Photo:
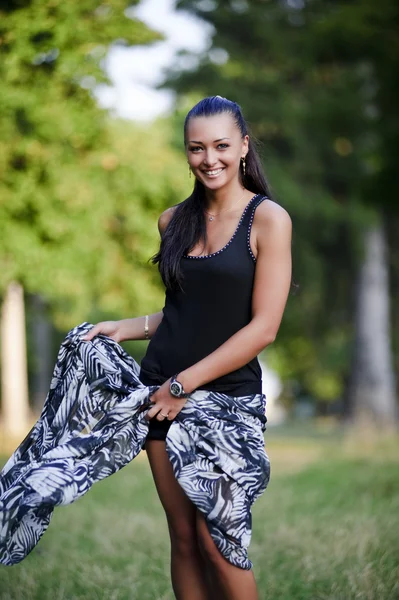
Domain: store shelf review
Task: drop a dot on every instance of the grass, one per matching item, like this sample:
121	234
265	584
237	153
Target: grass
326	528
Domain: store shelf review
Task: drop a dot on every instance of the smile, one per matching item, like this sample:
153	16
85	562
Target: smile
213	173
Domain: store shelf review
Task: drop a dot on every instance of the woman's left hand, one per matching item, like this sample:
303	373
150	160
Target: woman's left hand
165	406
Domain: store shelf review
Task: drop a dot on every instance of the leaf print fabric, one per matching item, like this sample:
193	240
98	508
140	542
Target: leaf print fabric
93	424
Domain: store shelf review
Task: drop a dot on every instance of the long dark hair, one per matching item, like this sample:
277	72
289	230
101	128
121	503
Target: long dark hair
187	225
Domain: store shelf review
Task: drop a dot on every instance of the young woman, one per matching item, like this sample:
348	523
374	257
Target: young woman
225	259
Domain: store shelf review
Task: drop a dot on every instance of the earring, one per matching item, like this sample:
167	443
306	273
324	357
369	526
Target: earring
243	165
189	172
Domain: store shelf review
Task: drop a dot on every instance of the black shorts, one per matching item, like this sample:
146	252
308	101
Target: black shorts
158	429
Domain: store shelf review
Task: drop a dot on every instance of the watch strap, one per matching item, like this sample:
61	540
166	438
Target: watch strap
183	394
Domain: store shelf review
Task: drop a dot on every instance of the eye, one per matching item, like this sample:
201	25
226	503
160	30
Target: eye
195	148
223	146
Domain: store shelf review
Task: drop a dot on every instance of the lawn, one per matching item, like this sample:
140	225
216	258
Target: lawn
326	528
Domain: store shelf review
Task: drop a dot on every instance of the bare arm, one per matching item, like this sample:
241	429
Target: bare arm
272	229
271	288
133	329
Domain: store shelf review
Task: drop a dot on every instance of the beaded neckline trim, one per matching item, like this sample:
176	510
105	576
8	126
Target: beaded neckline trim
231	239
255	206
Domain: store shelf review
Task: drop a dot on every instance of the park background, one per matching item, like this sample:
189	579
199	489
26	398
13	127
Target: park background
81	189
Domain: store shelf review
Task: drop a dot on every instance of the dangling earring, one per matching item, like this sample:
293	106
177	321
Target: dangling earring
189	171
243	165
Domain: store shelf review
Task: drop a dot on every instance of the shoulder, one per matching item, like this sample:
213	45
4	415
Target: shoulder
271	218
272	229
165	217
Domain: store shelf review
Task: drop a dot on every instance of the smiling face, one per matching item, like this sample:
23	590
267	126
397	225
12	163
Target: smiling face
214	147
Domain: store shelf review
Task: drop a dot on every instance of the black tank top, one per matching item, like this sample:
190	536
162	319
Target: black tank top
215	303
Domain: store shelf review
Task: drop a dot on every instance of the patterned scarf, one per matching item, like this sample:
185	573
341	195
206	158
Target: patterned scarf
93	424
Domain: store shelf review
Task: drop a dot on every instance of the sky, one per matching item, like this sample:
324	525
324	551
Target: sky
134	72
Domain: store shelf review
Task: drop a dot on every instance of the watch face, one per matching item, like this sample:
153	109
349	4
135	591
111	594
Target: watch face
175	388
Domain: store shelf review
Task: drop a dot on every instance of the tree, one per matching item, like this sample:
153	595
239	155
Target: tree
13	362
77	194
316	81
50	128
372	385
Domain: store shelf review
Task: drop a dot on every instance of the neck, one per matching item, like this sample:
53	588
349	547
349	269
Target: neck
217	200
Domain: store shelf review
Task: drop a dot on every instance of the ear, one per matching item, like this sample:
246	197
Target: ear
245	145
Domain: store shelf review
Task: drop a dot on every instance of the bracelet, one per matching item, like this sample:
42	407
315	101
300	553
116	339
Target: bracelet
147	337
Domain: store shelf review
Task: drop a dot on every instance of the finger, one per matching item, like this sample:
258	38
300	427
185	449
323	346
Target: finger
162	416
152	412
92	333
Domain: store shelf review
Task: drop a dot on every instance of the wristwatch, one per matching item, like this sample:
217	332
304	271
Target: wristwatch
176	388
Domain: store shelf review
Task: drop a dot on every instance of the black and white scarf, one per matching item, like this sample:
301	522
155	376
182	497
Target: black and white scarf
93	424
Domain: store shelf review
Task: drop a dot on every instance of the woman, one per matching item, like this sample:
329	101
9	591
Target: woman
225	259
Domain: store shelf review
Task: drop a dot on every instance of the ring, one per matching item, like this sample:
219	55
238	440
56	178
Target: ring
166	416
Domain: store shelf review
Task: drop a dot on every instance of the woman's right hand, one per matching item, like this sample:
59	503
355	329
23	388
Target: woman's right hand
110	328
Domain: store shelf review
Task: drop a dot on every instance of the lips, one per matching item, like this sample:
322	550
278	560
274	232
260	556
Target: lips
213	172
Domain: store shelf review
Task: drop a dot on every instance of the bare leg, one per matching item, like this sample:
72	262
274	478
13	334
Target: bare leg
233	582
187	564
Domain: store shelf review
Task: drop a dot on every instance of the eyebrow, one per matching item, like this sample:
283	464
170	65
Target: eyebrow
214	141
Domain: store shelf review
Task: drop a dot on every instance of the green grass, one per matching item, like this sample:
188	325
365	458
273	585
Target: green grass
326	528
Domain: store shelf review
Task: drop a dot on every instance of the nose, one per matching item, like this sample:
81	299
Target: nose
210	158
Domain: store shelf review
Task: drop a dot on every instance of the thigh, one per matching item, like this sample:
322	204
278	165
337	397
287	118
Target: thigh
180	511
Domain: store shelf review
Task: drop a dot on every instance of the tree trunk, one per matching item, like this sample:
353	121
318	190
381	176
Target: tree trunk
372	387
41	340
14	375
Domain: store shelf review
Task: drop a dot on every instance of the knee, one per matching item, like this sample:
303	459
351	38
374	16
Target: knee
209	552
183	537
208	548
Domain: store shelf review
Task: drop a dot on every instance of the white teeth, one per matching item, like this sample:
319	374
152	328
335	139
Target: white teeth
215	172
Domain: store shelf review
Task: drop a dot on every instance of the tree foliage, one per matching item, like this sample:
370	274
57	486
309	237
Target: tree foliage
316	80
78	193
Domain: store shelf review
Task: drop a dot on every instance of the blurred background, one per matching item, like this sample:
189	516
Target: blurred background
93	96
